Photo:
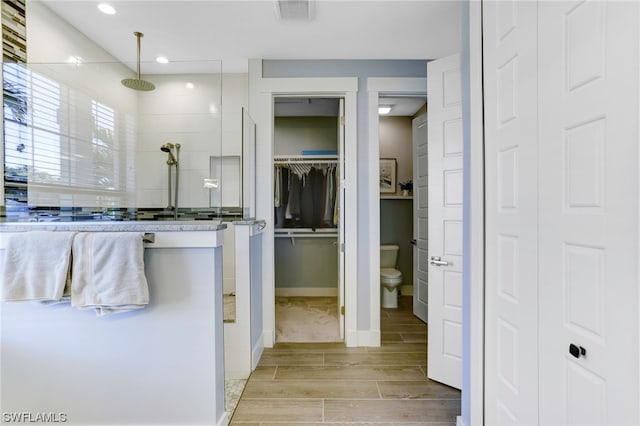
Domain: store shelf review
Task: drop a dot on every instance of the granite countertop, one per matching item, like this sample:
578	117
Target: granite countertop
250	222
119	226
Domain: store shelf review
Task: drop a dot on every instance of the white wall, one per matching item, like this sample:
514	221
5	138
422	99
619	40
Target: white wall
178	114
235	96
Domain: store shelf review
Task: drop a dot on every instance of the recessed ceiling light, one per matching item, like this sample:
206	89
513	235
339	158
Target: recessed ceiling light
189	85
106	9
162	60
382	110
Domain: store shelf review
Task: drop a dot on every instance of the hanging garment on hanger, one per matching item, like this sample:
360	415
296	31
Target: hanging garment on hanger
336	204
330	197
311	199
295	189
283	191
276	187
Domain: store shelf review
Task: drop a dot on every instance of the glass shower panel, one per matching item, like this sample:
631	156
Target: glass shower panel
249	183
80	145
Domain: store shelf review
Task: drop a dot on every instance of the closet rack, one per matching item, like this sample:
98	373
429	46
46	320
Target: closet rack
305	159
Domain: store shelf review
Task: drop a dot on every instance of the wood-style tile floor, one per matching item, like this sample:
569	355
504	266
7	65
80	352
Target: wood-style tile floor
327	383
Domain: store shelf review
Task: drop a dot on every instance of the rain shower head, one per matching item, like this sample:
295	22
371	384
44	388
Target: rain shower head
138	83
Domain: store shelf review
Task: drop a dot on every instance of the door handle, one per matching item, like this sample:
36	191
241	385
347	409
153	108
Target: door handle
437	261
414	242
576	351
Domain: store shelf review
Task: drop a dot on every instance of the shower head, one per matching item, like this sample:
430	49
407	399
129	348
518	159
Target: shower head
168	147
137	83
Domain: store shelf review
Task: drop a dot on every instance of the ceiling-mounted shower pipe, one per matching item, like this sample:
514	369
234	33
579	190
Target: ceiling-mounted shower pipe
168	147
138	83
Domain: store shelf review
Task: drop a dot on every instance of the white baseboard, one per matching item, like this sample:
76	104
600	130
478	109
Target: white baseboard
369	338
269	338
362	338
224	420
307	292
459	421
256	353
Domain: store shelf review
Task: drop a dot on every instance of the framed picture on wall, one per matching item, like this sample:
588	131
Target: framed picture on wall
388	175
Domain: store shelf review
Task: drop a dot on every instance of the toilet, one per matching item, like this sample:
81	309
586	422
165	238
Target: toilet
390	277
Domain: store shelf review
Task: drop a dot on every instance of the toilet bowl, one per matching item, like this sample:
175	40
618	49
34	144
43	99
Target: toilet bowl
390	278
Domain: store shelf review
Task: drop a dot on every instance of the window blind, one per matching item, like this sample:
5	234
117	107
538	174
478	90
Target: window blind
73	150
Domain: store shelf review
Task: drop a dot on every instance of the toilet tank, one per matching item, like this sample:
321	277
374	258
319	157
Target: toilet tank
388	255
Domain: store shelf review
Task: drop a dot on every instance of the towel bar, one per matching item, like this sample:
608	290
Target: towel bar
149	237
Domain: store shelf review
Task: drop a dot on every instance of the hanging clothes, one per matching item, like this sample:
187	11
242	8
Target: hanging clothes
330	197
282	195
305	196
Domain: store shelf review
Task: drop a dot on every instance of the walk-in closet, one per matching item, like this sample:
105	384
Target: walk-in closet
308	140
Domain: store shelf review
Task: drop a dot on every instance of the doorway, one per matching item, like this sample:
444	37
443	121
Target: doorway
402	121
309	225
444	252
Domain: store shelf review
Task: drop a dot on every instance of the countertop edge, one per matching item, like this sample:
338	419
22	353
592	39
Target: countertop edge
125	226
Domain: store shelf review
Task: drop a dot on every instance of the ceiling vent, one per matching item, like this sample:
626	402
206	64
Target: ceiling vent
298	10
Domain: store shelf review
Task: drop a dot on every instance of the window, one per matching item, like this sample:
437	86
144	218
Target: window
63	148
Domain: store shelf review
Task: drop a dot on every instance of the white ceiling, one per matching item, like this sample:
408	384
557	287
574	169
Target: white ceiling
236	30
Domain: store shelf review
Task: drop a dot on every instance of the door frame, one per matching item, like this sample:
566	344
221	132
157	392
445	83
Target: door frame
377	86
262	108
472	404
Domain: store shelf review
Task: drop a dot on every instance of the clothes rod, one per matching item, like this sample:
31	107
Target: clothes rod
305	157
309	235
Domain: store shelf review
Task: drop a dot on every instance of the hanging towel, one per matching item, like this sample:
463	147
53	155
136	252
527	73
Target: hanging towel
36	266
108	272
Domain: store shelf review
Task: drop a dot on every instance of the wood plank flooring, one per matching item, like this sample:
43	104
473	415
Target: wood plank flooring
330	384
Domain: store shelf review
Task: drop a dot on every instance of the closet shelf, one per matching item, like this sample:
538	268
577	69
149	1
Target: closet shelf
305	159
306	232
396	197
294	233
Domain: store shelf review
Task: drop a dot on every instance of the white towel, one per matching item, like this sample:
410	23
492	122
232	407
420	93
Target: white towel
108	272
36	266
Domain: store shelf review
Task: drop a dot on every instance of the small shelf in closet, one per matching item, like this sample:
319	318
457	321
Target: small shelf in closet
294	233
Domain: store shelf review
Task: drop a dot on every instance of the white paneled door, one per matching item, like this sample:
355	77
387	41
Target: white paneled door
420	218
588	145
511	200
562	93
444	360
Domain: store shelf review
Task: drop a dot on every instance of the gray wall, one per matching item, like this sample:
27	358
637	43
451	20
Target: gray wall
292	135
312	262
362	69
396	141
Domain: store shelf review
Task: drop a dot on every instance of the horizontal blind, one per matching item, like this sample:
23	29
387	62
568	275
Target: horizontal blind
74	150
